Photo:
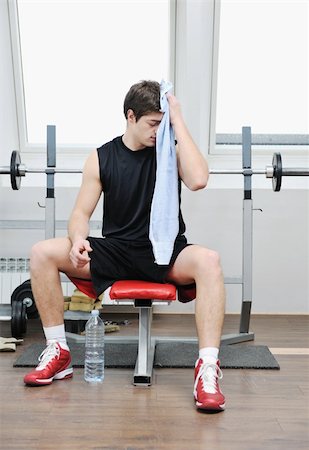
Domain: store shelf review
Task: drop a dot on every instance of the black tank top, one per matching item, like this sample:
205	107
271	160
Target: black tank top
128	180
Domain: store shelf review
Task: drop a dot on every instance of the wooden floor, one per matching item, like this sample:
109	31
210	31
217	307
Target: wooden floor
266	409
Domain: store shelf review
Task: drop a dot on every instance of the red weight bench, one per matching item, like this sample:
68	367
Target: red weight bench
142	295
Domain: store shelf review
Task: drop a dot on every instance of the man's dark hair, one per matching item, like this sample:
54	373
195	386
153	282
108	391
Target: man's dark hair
143	98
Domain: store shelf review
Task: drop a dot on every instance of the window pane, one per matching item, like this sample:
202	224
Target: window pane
79	59
263	67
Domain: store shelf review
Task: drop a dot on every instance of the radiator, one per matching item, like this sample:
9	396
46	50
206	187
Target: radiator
13	272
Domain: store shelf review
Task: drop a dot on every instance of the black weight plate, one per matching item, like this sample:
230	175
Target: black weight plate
277	176
14	172
20	294
18	320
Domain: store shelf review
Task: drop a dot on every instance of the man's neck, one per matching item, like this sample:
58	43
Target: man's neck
131	143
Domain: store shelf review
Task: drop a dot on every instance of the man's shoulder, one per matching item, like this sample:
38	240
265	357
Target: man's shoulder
110	144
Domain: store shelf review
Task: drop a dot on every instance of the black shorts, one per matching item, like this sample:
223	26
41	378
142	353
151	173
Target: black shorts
116	259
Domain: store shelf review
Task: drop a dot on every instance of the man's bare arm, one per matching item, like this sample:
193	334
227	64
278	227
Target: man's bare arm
192	166
87	199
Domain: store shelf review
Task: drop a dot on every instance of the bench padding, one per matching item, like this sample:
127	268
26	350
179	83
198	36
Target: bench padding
136	289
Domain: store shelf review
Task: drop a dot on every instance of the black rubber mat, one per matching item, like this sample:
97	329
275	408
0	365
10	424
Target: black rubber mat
169	354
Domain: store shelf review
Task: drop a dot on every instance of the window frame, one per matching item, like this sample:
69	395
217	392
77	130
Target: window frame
264	147
195	85
79	149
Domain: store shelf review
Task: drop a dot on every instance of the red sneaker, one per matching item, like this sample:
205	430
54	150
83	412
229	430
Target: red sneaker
207	393
54	364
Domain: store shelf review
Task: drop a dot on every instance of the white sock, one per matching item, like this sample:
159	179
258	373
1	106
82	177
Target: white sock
56	334
209	354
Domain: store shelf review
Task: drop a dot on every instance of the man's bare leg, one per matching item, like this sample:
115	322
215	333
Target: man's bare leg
202	266
48	258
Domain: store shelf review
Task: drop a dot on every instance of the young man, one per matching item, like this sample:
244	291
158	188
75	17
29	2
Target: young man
125	171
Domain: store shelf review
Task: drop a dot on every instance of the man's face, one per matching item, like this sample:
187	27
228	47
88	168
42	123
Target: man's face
145	129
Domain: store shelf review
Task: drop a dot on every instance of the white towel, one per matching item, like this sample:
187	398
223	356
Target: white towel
164	214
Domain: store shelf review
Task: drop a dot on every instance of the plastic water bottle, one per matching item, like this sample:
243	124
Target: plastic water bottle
94	354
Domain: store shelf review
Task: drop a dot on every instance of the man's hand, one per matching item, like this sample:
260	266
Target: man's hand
79	253
175	109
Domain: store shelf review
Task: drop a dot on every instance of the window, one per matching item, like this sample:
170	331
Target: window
263	72
78	58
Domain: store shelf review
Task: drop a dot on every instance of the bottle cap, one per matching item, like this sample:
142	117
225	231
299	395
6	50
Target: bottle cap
95	312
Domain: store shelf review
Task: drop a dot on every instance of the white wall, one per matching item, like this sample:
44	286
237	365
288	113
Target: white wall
213	216
214	219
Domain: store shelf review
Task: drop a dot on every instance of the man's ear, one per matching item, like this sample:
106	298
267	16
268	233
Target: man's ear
131	116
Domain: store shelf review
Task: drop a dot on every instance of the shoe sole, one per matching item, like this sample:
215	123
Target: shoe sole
210	407
63	375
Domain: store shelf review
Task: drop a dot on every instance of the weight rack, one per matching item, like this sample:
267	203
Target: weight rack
247	232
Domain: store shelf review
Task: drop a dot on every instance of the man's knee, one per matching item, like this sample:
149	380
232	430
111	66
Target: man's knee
42	252
208	261
38	252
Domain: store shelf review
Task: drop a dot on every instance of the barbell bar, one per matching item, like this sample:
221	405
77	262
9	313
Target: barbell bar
276	171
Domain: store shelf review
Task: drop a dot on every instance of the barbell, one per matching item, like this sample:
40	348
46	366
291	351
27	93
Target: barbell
276	171
18	170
